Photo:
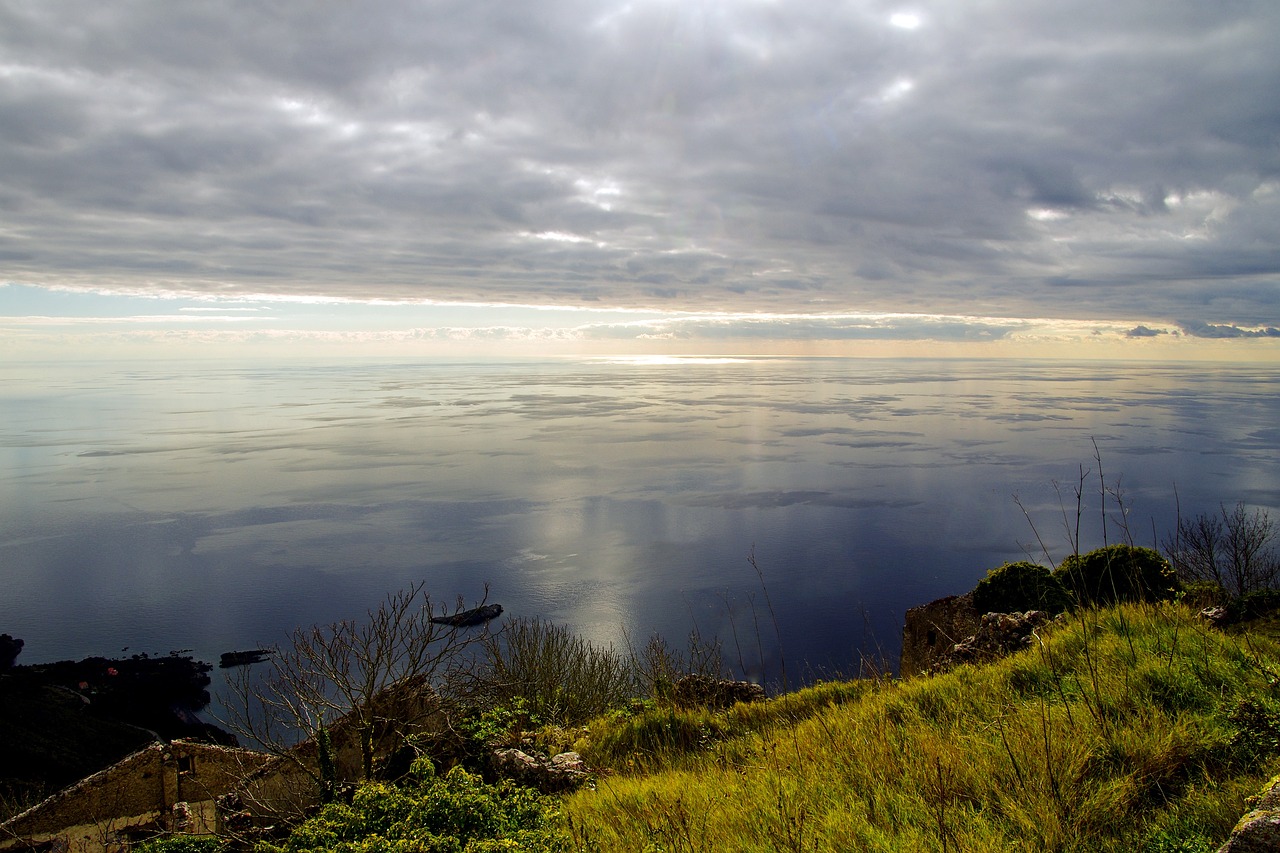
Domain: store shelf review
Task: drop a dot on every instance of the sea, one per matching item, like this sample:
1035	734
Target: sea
791	509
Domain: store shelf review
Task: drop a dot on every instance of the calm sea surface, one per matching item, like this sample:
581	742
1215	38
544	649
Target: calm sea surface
210	506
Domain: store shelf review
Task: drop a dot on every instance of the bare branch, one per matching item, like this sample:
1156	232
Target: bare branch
364	684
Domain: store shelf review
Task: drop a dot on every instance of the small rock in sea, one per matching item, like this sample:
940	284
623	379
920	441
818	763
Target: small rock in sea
468	618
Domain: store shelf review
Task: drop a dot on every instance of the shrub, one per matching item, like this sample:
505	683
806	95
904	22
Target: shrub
498	726
432	814
558	676
1253	605
1201	594
1118	573
1256	720
1015	587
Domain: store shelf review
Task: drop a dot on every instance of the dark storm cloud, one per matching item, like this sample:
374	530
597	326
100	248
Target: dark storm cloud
730	156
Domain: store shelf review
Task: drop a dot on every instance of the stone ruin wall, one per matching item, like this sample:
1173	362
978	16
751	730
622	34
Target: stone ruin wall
932	629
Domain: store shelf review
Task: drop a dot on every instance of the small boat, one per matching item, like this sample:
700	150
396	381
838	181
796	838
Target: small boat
230	659
467	618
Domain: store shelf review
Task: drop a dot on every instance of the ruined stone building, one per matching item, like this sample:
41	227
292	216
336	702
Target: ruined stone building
166	787
932	629
195	788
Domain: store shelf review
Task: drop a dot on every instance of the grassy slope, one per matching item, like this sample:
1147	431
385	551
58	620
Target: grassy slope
1137	728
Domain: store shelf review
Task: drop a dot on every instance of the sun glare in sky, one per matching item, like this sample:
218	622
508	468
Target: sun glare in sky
905	20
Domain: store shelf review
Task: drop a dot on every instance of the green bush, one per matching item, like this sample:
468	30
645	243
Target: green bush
499	726
454	813
1201	594
1256	720
1116	574
1253	605
1015	587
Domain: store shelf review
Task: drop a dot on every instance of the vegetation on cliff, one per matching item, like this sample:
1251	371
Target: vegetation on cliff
1136	727
1130	723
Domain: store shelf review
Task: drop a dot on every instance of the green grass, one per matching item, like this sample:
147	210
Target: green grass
1135	728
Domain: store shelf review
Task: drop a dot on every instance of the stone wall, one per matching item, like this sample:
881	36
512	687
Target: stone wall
932	629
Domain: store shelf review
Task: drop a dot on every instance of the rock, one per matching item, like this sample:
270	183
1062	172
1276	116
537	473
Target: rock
563	772
703	691
468	618
932	630
569	761
998	634
1216	616
10	648
1259	830
1269	800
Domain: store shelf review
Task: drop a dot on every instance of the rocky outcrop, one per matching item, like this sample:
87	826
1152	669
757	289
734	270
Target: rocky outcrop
563	772
998	634
1218	617
470	618
932	629
10	648
703	691
1259	830
245	658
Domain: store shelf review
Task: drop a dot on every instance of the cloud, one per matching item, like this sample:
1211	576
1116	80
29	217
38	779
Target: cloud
1144	332
800	327
1201	329
812	158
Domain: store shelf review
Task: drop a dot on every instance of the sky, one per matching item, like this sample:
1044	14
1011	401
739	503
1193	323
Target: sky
1005	177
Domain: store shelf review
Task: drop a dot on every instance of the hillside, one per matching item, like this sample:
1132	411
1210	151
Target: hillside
1131	728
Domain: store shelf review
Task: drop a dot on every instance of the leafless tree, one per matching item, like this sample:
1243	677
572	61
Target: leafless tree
1233	548
338	695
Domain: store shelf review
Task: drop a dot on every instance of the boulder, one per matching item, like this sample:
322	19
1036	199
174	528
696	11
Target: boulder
10	648
998	634
563	772
1218	617
1259	830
